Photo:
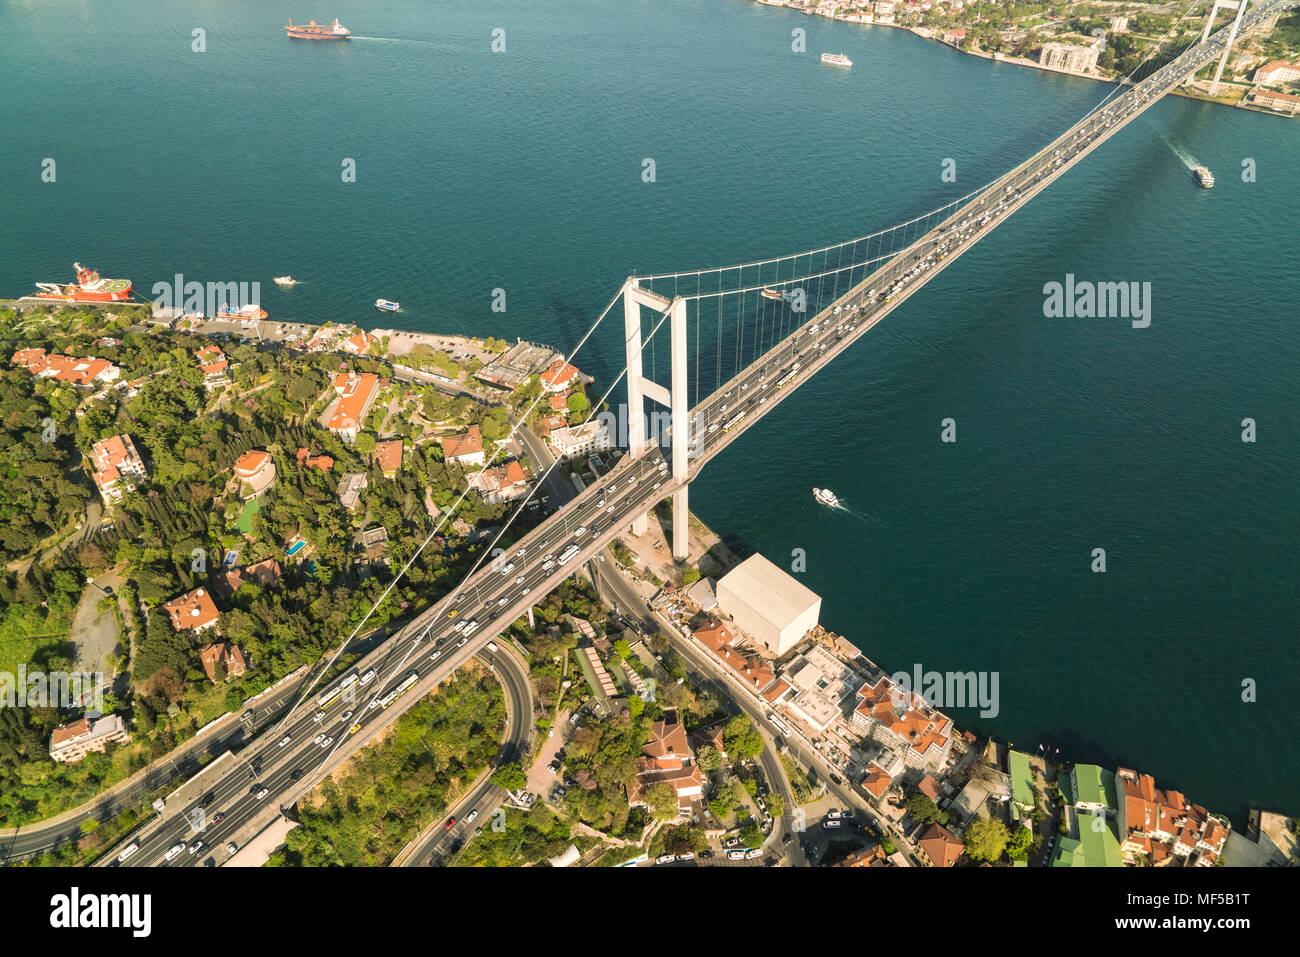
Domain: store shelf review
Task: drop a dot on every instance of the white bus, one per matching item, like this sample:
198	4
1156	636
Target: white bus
777	723
732	422
328	696
401	689
569	552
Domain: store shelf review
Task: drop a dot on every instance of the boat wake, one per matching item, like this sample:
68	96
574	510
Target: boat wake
1186	158
840	506
391	39
861	516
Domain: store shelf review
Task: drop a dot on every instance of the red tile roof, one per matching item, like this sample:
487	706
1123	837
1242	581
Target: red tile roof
113	456
714	636
876	781
210	655
459	446
192	610
322	462
358	390
251	462
559	374
389	455
941	845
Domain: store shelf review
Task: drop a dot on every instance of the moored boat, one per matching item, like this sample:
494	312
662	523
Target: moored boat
242	314
89	287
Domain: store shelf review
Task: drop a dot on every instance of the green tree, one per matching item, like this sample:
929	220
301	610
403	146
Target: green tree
663	801
1018	845
741	739
986	839
510	776
708	759
923	809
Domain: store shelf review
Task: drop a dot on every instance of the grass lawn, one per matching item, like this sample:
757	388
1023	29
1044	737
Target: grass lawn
245	521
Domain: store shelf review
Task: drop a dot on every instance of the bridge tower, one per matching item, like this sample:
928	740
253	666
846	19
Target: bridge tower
1240	7
639	388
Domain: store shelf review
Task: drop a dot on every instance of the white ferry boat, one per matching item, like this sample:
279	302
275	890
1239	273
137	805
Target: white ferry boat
387	305
285	281
836	59
826	497
1203	176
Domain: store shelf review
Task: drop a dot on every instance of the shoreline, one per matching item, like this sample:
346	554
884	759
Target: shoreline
927	33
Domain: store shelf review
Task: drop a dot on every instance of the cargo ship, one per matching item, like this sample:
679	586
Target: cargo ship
89	287
318	31
836	59
1203	176
776	294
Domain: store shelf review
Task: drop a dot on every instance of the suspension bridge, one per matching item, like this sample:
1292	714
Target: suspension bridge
757	332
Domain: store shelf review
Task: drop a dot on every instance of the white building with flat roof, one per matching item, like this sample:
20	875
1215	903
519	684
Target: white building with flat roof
768	604
580	440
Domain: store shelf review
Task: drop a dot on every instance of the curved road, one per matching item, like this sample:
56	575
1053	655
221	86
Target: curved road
485	797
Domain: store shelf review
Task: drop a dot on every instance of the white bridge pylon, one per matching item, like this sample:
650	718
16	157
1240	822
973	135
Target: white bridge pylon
639	388
1240	7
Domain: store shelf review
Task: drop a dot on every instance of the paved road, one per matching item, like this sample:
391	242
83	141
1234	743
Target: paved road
485	797
26	842
227	806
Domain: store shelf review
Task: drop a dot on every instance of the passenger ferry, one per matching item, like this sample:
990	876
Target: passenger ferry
285	281
387	305
836	59
1203	176
826	497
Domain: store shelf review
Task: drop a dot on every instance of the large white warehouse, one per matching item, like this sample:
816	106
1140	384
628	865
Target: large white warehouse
767	604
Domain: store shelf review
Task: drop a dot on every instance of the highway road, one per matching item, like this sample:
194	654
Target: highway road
32	841
485	797
222	807
501	591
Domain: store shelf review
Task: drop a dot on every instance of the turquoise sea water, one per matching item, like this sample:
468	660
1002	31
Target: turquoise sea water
522	170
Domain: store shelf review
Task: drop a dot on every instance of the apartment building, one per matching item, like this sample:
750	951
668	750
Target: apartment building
117	466
1068	56
356	394
69	743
